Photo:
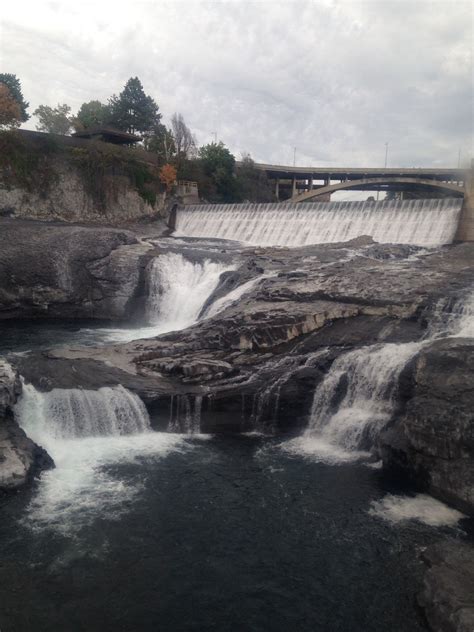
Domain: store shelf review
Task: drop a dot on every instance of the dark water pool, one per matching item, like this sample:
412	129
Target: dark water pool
220	534
168	533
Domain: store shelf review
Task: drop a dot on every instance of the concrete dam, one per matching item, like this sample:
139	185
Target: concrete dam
428	222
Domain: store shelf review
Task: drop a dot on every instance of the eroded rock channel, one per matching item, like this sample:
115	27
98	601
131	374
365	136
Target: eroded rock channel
344	355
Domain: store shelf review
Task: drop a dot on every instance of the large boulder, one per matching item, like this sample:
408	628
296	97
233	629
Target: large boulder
433	441
448	587
65	271
20	457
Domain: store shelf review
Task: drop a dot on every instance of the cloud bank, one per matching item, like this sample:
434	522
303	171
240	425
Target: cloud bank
335	79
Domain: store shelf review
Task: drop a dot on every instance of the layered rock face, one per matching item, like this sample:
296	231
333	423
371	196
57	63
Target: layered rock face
448	588
20	458
257	362
61	271
433	441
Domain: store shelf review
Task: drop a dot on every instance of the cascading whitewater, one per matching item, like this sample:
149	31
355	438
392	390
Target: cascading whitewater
86	432
185	414
357	397
452	317
178	290
419	222
365	382
77	413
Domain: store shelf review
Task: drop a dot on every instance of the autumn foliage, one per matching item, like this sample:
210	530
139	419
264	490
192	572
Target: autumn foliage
168	176
10	112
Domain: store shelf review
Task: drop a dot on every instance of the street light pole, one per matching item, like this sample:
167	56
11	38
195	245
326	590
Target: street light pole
385	166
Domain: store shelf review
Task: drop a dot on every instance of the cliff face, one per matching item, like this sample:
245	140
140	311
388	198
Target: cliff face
69	200
62	271
433	441
51	177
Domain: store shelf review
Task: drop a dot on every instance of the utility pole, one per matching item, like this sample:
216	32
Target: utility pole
215	137
385	165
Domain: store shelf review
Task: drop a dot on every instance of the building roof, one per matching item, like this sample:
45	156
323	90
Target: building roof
109	135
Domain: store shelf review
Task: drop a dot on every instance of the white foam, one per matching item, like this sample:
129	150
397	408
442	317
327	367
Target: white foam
81	487
87	432
234	296
422	508
179	289
318	449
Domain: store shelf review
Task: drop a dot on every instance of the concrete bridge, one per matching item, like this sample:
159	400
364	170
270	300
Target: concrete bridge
300	184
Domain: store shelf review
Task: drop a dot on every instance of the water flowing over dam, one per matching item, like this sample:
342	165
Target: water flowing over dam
418	222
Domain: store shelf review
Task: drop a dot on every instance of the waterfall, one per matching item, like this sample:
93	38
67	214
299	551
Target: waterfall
452	317
77	413
234	296
89	434
357	396
185	414
178	289
419	222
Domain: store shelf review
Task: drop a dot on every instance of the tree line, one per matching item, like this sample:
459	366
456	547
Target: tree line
212	166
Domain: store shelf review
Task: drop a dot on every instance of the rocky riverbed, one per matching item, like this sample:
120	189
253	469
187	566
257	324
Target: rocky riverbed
255	363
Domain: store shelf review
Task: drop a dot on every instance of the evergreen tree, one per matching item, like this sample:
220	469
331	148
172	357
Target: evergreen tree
133	111
13	84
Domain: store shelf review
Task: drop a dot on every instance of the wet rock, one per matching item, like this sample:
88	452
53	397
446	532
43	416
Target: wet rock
20	457
63	271
448	587
433	441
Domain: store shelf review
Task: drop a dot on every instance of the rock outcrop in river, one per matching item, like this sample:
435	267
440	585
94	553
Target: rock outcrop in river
256	363
20	458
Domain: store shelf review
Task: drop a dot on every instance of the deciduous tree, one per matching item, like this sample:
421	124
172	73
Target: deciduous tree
184	140
218	163
10	111
168	176
160	141
92	114
54	120
13	84
253	184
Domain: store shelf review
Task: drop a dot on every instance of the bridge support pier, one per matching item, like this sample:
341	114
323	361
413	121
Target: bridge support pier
293	187
465	230
277	189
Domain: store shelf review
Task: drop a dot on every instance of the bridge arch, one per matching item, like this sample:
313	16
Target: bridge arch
359	184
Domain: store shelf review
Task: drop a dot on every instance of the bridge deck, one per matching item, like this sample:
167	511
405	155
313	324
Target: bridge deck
356	173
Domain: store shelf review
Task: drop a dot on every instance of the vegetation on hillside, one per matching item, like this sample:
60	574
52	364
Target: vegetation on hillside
219	177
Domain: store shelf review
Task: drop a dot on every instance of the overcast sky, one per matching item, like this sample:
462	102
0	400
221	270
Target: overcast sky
335	79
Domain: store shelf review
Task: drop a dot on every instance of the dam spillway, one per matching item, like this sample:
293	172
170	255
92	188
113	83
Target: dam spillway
418	222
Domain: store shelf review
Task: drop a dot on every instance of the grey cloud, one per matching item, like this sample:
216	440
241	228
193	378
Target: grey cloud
336	79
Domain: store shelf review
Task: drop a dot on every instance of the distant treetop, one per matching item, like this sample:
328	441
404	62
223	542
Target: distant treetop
13	84
133	111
